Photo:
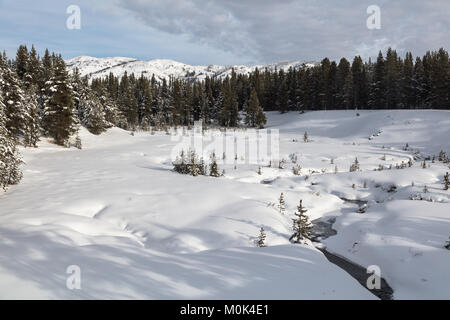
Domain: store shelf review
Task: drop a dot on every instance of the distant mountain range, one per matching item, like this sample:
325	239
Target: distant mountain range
164	68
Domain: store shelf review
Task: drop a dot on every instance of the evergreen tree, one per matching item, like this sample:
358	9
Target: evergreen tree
31	130
128	104
359	83
392	77
31	77
407	82
146	113
9	157
180	164
325	85
377	88
281	204
261	242
194	168
440	78
344	85
22	61
177	104
59	112
163	103
254	115
229	114
46	71
419	92
213	168
283	97
355	166
94	119
347	94
14	101
301	226
90	110
112	115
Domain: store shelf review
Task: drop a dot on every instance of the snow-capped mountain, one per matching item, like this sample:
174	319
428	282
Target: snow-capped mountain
164	68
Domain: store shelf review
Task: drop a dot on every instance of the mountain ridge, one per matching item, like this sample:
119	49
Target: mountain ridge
165	68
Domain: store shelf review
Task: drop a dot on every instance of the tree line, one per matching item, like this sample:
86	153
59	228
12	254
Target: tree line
388	83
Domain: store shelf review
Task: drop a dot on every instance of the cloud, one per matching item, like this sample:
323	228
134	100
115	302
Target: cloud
225	31
266	30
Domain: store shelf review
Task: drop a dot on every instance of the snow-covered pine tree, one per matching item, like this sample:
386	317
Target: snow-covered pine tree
59	113
78	91
216	105
254	114
31	130
355	166
163	105
30	84
146	108
194	169
213	169
180	164
89	108
94	118
21	63
283	95
13	99
301	225
261	242
128	105
45	74
31	77
9	157
281	204
112	117
229	113
377	86
261	118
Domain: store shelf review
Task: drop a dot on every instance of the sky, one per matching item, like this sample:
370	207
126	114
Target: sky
203	32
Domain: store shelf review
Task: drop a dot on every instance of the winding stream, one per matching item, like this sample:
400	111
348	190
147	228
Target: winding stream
322	229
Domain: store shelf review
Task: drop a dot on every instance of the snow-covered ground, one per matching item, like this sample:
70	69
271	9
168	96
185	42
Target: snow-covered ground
137	229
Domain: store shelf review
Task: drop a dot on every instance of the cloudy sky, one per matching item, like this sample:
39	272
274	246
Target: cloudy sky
225	31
